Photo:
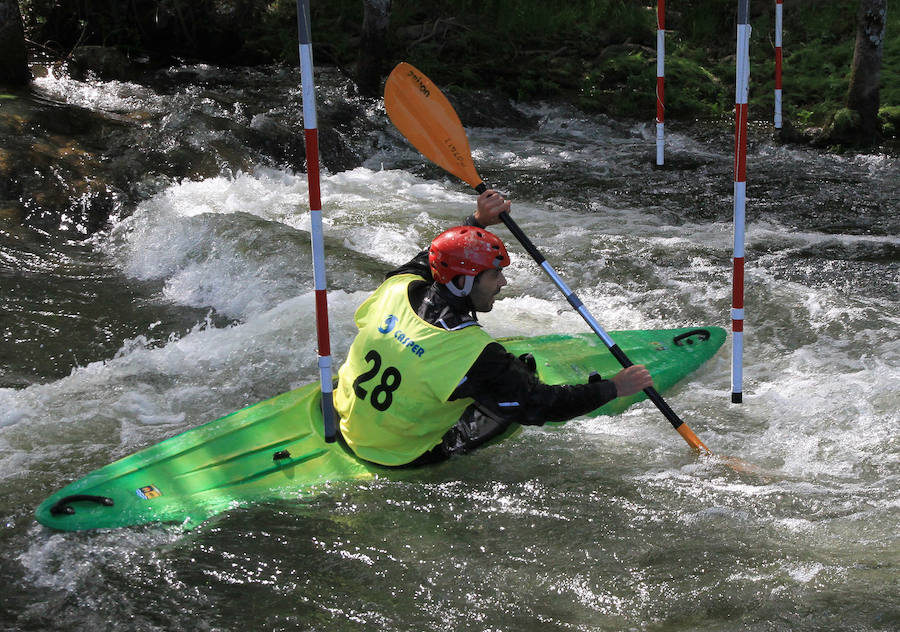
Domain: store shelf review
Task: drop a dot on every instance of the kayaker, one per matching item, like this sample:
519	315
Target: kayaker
423	381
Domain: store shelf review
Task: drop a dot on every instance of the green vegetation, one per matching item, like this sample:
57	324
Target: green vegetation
599	54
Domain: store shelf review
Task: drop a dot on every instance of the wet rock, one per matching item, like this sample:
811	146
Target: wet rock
273	138
48	165
485	109
790	134
102	61
11	212
344	128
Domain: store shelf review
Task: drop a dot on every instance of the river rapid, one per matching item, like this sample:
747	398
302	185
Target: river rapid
195	299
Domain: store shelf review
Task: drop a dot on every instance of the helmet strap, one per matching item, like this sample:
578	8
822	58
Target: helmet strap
468	283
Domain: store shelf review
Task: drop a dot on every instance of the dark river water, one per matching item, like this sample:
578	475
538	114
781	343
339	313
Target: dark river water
163	278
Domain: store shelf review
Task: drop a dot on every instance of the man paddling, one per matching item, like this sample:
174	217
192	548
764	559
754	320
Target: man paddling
423	381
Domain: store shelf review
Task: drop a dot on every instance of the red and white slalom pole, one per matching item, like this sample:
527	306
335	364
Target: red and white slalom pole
742	89
779	12
660	79
311	134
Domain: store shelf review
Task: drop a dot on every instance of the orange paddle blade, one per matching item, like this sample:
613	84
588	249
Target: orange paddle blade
425	117
692	439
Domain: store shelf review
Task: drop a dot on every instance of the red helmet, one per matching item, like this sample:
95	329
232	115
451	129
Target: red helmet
465	250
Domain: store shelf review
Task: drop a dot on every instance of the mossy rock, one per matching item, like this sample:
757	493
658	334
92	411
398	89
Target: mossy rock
846	122
890	121
842	131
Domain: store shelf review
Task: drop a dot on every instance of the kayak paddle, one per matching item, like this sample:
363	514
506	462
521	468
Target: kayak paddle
425	117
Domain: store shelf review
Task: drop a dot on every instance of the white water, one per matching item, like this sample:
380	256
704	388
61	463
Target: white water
615	521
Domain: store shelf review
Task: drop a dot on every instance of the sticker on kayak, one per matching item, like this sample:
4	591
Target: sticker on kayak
148	491
658	346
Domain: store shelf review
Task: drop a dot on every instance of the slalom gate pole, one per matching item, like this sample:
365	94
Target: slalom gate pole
660	79
741	112
779	12
311	136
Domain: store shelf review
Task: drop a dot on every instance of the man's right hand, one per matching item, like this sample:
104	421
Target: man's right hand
632	380
490	205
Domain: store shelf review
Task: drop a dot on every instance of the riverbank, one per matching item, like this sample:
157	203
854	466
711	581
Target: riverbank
598	55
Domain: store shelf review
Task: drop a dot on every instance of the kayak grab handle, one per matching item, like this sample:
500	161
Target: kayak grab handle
680	339
62	505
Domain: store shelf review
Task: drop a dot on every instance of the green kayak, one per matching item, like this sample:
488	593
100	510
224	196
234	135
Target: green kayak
275	449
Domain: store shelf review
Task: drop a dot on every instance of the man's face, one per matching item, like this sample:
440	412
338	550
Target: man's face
487	285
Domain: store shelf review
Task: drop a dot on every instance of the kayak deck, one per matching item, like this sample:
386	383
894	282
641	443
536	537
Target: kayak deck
275	449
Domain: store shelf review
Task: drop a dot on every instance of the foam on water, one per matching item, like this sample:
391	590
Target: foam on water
239	245
147	393
109	96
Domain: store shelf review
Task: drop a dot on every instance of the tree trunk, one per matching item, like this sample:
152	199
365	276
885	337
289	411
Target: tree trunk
372	53
863	96
13	60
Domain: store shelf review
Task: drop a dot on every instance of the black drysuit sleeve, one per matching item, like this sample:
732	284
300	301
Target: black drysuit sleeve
505	388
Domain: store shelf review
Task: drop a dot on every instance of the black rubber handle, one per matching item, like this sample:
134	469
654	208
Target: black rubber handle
62	505
703	333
